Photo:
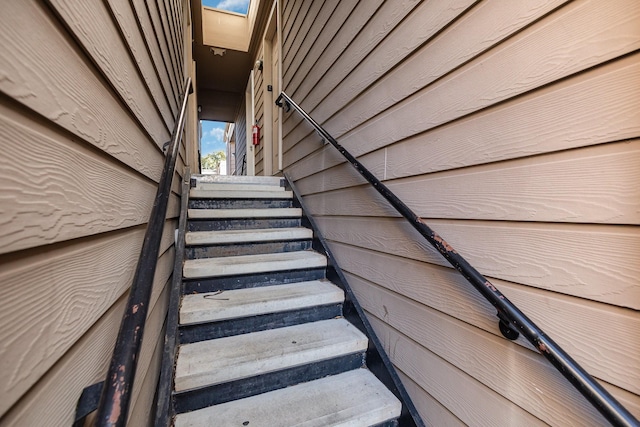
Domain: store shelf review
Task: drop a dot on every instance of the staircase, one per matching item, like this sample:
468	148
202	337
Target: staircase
261	337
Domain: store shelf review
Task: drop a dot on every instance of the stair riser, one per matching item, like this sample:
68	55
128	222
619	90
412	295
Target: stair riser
192	286
196	252
239	203
207	396
240	194
244	213
207	186
241	224
207	331
239	179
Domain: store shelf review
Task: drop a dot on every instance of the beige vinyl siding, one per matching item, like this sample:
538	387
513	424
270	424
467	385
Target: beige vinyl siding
90	95
514	130
259	90
241	139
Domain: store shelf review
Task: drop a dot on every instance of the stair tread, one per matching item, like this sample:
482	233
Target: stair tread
239	194
241	356
244	213
234	179
245	236
236	186
246	264
354	398
233	304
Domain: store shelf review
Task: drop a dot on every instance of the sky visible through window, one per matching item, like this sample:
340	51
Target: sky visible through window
212	137
238	6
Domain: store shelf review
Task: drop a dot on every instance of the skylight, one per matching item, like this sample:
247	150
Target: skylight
237	6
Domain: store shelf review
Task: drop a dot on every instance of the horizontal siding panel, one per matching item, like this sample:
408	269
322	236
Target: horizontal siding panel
431	411
560	187
605	107
485	25
579	36
157	10
482	27
328	49
421	24
323	78
160	36
320	11
55	296
286	10
56	190
241	140
175	16
469	400
169	14
318	38
525	379
575	324
37	60
93	27
292	24
506	71
158	84
52	401
153	44
588	261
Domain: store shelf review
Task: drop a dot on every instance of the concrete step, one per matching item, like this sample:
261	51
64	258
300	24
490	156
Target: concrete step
244	213
240	203
249	264
248	194
354	398
193	238
239	179
214	186
225	305
233	358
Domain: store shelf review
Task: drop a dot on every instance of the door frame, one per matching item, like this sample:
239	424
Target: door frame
250	97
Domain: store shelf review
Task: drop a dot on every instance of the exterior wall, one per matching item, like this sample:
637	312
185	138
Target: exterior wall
241	141
89	96
512	127
260	89
266	87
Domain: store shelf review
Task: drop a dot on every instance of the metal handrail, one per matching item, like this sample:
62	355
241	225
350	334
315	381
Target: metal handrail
512	320
116	393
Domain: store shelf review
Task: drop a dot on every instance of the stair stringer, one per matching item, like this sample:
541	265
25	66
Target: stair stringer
163	403
377	361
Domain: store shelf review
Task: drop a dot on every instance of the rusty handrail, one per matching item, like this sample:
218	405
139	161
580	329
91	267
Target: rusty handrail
512	320
116	392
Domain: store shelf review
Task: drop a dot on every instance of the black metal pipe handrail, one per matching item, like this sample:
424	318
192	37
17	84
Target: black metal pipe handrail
512	320
116	393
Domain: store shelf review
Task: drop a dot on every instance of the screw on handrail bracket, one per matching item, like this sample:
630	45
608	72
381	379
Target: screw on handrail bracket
505	327
165	145
283	103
